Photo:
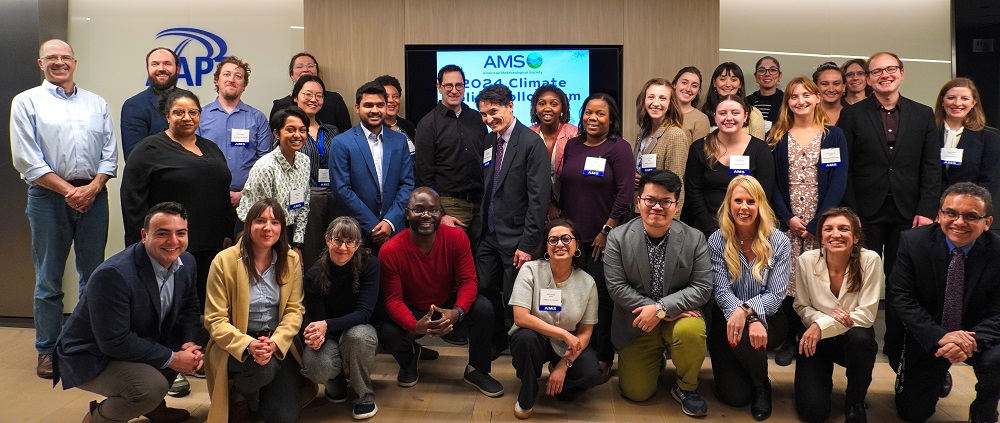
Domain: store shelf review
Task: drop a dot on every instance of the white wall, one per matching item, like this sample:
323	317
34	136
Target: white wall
913	29
111	39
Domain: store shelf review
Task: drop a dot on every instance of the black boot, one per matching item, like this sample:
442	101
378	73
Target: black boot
760	405
855	413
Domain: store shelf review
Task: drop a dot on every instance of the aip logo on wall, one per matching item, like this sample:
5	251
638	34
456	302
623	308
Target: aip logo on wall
204	61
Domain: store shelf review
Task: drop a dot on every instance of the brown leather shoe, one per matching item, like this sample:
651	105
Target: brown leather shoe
164	414
44	369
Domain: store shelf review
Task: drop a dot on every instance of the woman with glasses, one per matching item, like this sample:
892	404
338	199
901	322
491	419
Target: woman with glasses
687	89
857	81
727	80
341	291
178	165
555	309
253	313
831	82
962	123
839	289
597	187
750	259
767	99
810	157
283	174
309	94
662	142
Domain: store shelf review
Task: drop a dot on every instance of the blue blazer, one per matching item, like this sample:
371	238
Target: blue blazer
140	119
118	318
354	181
832	180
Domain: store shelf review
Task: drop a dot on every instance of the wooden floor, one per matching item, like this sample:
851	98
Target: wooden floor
442	396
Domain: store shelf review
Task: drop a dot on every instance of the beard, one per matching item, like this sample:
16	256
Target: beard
171	82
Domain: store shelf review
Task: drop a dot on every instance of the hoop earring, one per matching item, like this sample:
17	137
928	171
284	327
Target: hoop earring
578	253
545	256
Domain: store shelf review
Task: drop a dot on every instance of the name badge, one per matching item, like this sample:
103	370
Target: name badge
739	165
240	138
594	166
952	156
323	178
829	157
413	148
648	163
550	300
488	157
296	199
767	125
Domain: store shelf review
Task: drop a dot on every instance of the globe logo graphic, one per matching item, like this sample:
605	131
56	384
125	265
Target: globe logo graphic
534	60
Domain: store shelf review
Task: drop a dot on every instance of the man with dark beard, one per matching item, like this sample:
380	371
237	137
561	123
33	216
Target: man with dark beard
140	115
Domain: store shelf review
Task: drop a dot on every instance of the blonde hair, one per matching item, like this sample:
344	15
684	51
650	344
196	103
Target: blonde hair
786	119
766	224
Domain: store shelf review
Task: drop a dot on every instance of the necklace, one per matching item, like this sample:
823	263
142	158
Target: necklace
742	240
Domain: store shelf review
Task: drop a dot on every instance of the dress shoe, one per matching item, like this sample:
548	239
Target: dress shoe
945	386
455	338
785	354
605	372
89	417
239	409
164	414
855	413
44	369
760	405
428	354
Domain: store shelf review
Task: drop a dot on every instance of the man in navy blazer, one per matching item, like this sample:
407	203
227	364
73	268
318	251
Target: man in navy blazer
370	169
946	290
141	114
515	200
135	325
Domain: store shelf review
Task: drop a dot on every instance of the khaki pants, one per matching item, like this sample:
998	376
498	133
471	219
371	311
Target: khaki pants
468	213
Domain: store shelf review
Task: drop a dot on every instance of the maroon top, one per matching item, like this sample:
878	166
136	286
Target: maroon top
590	200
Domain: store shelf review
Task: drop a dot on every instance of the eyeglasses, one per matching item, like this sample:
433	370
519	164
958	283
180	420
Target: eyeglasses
555	240
351	243
180	113
891	70
767	71
58	58
855	73
664	203
450	87
310	96
968	217
429	212
305	66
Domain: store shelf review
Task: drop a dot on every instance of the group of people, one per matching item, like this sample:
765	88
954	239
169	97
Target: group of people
734	229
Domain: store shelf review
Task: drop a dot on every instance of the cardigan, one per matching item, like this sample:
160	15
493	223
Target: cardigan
670	144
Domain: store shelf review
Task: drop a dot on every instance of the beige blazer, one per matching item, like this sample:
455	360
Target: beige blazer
814	300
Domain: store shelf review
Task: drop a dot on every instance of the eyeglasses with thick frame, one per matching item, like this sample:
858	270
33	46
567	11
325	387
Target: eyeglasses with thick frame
450	87
665	203
891	70
429	212
351	243
855	73
968	217
555	240
768	71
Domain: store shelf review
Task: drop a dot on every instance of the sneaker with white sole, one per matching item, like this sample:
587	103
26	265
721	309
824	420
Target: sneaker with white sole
521	413
692	402
181	387
364	411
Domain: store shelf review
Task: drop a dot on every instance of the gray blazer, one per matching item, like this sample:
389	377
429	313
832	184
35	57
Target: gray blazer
687	279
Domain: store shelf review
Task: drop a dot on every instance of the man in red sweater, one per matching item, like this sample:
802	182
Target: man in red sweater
430	288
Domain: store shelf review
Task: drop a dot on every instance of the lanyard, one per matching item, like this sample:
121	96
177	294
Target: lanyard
319	146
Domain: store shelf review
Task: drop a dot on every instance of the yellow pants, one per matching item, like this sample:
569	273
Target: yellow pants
639	363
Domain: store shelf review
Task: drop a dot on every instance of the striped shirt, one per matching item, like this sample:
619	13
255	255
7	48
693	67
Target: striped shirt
763	297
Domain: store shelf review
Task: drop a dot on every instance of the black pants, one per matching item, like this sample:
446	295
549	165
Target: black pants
793	327
855	350
478	322
881	232
529	350
272	390
495	267
738	370
601	340
921	374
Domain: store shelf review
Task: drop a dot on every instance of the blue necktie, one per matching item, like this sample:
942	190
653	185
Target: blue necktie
951	315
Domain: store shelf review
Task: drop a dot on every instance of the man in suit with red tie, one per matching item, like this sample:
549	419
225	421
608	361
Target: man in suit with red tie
946	290
516	180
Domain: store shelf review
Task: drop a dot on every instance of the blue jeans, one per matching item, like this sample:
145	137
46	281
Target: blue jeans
55	226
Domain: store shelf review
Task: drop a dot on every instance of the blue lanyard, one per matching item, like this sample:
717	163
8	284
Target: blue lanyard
319	146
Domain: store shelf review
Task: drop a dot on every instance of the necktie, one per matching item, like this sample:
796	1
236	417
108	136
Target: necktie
951	316
501	143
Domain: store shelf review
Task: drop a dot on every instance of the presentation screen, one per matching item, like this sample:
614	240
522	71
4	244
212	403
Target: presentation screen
577	70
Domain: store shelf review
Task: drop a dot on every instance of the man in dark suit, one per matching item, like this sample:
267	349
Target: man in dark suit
946	290
516	178
135	325
895	173
334	110
370	169
141	115
659	308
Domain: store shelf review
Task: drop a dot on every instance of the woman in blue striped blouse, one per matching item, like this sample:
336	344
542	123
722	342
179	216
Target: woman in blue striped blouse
751	259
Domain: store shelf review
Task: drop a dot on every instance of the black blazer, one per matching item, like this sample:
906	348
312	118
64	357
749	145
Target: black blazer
334	110
980	160
832	181
912	172
522	195
916	286
118	318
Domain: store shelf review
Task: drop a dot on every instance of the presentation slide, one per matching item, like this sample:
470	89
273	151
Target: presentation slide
523	71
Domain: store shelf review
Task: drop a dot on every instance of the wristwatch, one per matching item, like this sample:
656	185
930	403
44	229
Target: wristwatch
747	309
461	314
606	229
661	312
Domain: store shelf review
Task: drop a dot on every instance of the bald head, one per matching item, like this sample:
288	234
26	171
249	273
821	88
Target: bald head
57	62
424	192
55	42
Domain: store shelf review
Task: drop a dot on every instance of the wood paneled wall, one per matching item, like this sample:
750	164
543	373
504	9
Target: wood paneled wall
356	41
